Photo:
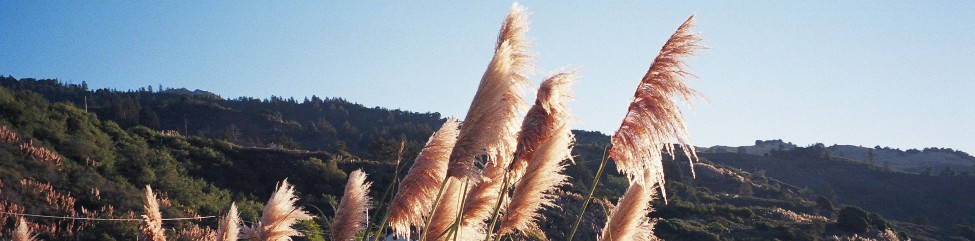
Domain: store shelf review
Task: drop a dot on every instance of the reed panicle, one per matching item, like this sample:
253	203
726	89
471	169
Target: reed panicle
543	144
654	118
543	119
279	215
151	226
351	214
229	227
491	124
536	188
22	232
628	220
411	205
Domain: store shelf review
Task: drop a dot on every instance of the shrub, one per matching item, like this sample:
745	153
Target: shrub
853	220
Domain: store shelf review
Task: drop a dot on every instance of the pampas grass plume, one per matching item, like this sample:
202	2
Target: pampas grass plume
654	118
628	220
279	215
351	214
22	232
546	137
491	124
544	117
229	227
411	205
151	227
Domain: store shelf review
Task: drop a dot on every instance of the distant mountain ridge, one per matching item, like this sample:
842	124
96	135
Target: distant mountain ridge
929	160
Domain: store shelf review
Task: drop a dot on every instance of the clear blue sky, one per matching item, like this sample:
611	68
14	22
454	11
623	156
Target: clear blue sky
896	74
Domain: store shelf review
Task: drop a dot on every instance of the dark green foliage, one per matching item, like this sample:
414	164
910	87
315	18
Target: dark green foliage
824	204
853	220
677	229
312	231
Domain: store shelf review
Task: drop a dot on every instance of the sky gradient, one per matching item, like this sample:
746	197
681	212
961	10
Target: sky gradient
897	74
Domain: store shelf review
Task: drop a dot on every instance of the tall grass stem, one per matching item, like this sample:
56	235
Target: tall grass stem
433	209
389	188
595	182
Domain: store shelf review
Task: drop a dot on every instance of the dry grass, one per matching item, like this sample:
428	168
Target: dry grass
628	220
491	124
654	118
279	215
351	214
544	143
22	232
229	227
196	233
411	205
151	227
544	117
797	217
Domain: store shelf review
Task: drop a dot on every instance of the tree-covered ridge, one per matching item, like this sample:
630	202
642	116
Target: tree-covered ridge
322	124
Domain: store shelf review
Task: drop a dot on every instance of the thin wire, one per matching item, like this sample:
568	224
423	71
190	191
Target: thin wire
103	219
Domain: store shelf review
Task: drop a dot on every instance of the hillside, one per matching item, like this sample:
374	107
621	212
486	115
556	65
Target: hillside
930	160
320	124
84	163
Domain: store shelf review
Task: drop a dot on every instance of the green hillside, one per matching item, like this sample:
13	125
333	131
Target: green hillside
59	159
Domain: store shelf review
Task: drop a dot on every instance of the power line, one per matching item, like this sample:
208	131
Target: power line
102	219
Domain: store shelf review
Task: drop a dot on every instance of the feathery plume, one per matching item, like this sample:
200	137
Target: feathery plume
628	220
543	143
411	205
152	221
492	124
229	227
22	232
492	121
350	215
653	118
536	188
544	118
279	215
